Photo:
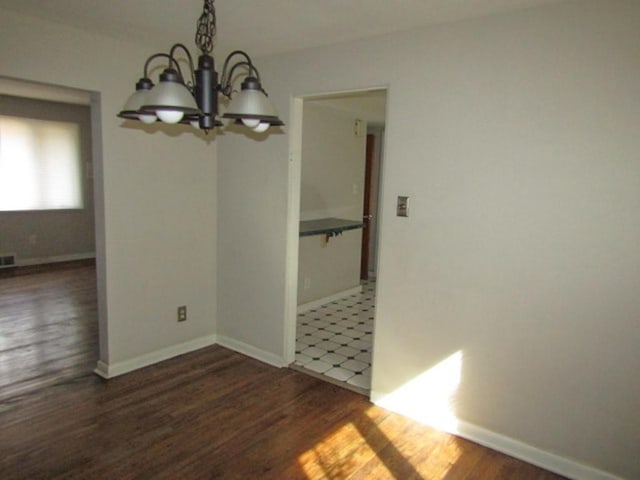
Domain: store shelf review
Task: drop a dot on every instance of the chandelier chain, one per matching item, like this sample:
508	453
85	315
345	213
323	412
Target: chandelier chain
206	29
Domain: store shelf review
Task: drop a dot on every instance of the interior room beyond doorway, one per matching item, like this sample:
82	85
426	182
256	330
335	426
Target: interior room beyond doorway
341	154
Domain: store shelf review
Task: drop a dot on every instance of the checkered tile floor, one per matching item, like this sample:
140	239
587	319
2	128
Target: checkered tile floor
335	340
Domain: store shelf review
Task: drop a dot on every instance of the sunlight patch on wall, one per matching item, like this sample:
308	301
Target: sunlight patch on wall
430	397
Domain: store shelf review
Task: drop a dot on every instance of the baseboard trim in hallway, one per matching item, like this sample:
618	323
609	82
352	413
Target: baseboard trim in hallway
305	307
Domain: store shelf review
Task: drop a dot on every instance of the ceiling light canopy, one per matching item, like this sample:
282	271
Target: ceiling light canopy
195	101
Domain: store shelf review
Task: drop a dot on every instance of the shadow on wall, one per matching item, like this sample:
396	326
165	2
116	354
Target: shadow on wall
172	131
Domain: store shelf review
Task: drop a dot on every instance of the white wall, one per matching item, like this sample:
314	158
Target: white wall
328	268
333	161
156	196
332	185
515	137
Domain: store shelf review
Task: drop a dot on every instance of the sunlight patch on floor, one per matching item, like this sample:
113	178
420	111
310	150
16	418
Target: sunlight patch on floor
380	444
337	455
428	399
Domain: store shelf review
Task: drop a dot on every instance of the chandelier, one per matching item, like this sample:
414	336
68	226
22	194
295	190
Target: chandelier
194	101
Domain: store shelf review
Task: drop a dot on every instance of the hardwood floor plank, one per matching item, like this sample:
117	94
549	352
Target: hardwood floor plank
212	413
218	414
48	326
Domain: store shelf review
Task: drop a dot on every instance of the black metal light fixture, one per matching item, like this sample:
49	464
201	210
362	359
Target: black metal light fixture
195	102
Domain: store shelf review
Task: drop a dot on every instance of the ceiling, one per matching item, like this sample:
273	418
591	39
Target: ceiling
262	27
368	105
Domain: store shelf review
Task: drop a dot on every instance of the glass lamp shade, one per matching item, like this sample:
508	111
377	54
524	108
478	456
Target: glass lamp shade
263	126
251	105
132	107
147	118
251	122
170	100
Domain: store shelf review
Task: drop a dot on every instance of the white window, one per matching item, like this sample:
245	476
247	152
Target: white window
40	165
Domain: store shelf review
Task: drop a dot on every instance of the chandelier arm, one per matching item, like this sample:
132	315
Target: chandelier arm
158	55
252	69
226	87
186	51
226	79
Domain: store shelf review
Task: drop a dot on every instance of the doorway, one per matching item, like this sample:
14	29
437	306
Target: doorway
340	155
48	290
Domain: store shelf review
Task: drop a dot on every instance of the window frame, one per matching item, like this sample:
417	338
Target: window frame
36	109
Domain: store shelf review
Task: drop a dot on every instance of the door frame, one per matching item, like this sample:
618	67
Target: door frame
293	208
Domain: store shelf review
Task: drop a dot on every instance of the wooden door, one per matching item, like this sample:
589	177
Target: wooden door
367	215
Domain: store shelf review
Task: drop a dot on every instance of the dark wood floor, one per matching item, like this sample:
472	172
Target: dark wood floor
48	326
214	413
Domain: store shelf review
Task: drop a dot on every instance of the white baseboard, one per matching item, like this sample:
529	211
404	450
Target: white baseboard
251	351
549	461
305	307
110	370
541	458
27	262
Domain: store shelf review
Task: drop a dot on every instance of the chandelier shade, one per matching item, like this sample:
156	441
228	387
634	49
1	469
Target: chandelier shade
170	100
132	109
262	125
195	102
251	105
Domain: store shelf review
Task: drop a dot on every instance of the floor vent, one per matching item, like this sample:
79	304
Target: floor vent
7	260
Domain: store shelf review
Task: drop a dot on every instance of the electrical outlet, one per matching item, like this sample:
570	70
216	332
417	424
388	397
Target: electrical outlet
403	206
307	283
182	313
